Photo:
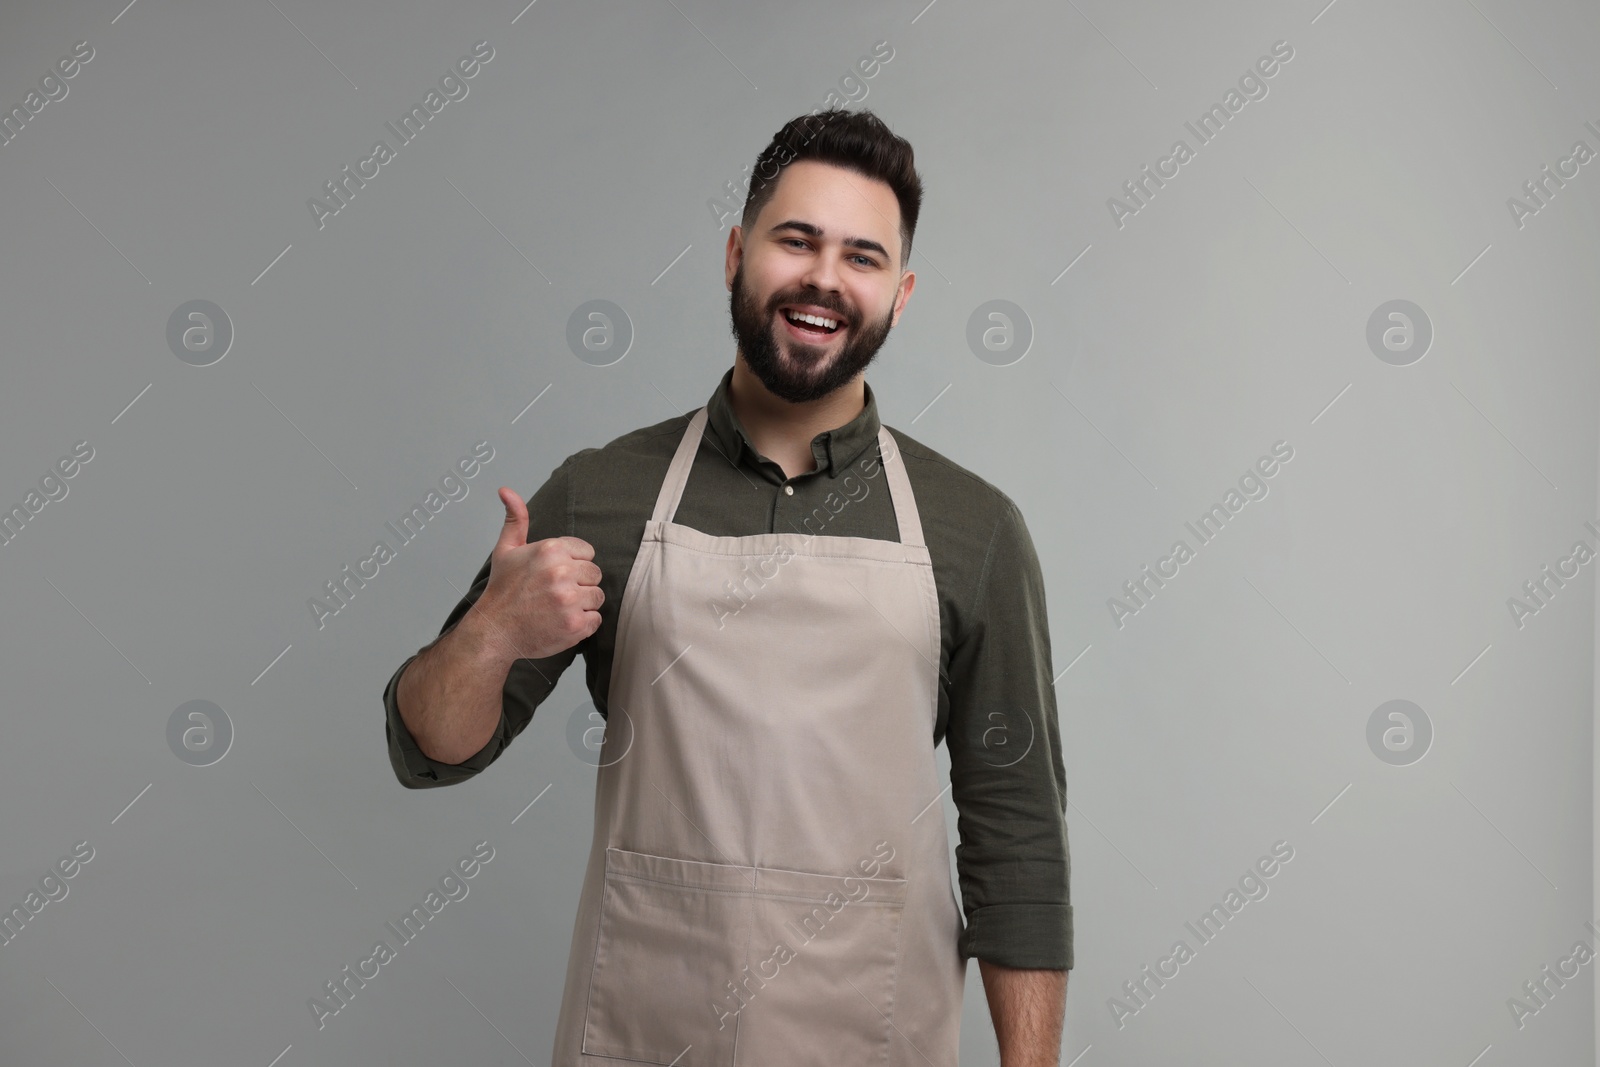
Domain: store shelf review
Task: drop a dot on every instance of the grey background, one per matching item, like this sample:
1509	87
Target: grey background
1228	314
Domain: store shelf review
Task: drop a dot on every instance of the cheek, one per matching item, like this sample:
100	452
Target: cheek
764	285
882	305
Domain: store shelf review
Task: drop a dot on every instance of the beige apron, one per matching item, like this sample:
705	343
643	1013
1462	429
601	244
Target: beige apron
769	882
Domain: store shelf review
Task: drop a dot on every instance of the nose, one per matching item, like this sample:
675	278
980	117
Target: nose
822	274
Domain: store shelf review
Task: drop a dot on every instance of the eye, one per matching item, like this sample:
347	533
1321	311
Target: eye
866	260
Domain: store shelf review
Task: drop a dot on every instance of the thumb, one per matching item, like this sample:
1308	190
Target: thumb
515	532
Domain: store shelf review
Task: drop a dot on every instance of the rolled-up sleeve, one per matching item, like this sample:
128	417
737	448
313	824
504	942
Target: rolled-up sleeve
528	681
1007	777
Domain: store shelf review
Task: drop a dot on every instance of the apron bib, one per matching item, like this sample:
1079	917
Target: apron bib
769	880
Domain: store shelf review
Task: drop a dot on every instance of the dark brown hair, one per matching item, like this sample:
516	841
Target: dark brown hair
856	140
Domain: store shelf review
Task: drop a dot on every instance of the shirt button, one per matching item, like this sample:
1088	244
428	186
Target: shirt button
789	490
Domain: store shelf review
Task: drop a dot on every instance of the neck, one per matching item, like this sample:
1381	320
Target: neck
782	431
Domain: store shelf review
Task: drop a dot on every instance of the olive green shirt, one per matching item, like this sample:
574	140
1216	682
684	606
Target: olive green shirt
997	708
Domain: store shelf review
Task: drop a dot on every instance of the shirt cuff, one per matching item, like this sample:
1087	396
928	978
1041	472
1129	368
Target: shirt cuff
1020	935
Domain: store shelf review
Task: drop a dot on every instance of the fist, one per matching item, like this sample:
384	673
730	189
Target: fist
544	596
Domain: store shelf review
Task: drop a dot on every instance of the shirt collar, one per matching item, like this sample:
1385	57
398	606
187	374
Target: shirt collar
833	450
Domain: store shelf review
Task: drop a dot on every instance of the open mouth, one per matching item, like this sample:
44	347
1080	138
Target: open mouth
811	327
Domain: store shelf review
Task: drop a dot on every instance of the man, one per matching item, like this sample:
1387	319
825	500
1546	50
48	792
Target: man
812	601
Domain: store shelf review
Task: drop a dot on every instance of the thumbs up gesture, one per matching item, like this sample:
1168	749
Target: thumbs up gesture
544	595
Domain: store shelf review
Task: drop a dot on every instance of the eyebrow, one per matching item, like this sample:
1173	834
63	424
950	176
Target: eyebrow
861	243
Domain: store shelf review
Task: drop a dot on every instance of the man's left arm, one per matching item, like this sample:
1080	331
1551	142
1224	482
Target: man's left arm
1028	1007
1009	787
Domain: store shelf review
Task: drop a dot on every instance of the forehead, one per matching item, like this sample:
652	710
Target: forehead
843	203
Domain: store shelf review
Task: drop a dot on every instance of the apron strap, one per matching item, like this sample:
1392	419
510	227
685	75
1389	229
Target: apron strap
905	505
678	473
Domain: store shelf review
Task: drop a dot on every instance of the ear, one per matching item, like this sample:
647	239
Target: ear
908	282
733	256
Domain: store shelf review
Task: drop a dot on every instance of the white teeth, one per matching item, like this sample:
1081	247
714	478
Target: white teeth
795	316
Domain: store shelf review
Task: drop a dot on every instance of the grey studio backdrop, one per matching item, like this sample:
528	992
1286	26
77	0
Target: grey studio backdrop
1374	275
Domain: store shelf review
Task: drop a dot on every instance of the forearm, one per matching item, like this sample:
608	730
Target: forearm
1028	1008
450	695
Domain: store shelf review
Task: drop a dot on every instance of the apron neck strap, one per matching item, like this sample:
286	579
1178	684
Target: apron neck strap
905	504
678	473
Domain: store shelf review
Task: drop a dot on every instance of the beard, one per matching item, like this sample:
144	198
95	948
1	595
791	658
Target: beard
801	372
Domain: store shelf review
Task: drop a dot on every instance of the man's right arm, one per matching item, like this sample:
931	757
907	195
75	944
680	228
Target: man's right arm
453	706
449	695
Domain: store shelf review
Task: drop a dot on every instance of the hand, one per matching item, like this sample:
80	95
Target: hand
544	596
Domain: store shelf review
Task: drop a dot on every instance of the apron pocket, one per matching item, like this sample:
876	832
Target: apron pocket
802	967
672	934
829	951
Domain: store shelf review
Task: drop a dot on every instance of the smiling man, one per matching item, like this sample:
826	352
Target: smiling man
784	607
